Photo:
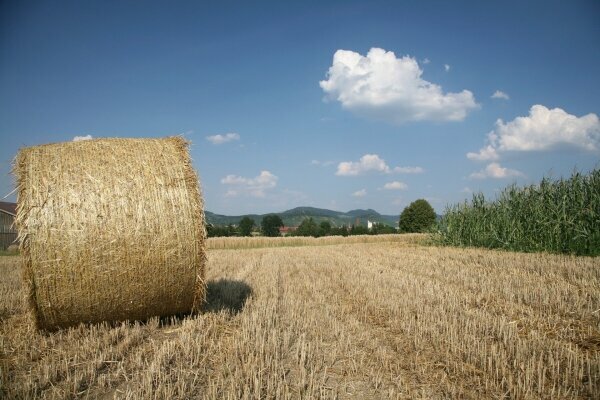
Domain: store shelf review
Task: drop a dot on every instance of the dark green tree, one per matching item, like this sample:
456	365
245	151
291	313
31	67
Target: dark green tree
358	230
417	217
245	226
270	225
218	230
325	228
210	229
339	231
308	227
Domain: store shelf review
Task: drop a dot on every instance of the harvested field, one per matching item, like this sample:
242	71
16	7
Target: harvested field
389	319
216	243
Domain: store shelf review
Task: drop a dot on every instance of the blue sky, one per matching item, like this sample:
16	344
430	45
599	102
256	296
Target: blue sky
339	105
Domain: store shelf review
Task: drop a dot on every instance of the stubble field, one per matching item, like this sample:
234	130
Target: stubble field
338	318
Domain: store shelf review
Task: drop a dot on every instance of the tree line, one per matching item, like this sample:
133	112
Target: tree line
419	216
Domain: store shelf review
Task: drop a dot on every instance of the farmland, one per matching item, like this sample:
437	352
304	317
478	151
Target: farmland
384	317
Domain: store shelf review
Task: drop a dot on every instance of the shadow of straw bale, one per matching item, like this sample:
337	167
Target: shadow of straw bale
226	294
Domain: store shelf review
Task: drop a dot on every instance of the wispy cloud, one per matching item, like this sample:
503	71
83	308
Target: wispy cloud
398	201
223	138
395	185
408	170
446	67
322	163
382	86
360	193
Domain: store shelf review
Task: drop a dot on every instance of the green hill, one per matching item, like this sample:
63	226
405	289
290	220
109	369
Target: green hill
295	216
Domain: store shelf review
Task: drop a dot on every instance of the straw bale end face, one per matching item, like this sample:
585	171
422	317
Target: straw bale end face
110	230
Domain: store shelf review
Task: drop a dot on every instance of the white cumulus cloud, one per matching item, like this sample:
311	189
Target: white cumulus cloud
496	171
446	67
367	163
395	185
360	193
543	129
224	138
499	94
255	187
80	138
372	163
487	153
382	86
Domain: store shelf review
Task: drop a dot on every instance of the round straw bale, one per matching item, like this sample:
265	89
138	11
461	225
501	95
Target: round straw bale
110	230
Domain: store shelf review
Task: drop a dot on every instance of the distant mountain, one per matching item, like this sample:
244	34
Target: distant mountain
295	216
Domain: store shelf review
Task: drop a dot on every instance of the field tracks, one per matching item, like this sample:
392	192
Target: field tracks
341	321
